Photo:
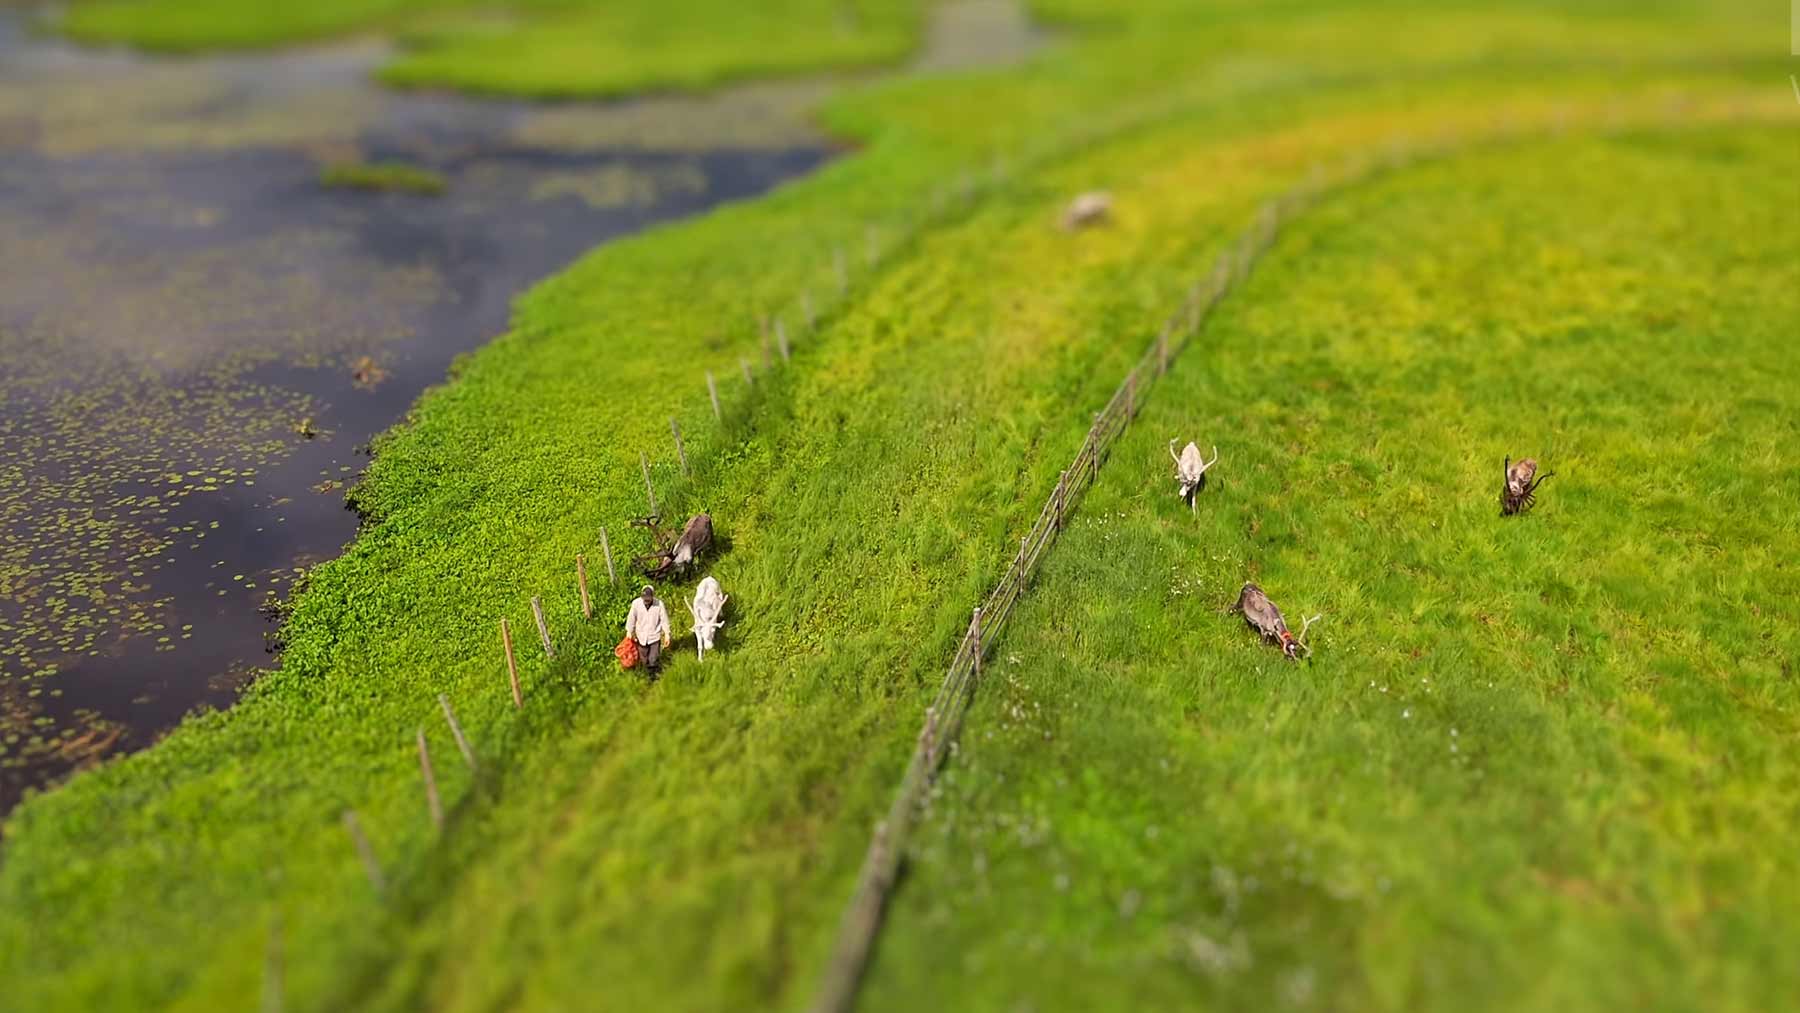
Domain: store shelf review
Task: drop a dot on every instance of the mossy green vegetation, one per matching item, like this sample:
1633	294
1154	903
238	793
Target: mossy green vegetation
1536	761
538	47
689	844
395	177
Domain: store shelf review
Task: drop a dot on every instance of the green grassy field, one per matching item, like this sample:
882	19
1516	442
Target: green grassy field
536	47
1537	762
690	845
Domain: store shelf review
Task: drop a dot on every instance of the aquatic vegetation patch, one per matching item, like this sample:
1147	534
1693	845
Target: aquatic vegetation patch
621	185
394	177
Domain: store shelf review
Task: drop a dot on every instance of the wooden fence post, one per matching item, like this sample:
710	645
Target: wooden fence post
432	804
605	547
712	391
512	666
537	612
649	490
1094	458
781	341
680	451
370	866
1061	498
744	364
975	631
587	608
456	732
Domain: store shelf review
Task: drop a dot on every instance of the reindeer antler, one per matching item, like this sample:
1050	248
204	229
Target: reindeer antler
1173	454
1207	464
1307	625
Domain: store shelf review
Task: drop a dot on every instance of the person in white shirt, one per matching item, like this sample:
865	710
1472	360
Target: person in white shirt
648	624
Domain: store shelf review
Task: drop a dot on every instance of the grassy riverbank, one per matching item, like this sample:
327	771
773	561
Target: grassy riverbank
536	47
690	844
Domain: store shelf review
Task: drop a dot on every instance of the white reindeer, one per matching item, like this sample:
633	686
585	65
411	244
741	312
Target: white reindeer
1190	470
1087	209
708	605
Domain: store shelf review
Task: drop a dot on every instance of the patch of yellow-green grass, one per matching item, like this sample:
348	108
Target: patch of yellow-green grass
1538	762
385	176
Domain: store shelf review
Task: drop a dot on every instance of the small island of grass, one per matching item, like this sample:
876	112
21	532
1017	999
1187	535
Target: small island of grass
389	176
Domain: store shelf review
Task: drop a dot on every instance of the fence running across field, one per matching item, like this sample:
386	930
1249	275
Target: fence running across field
862	920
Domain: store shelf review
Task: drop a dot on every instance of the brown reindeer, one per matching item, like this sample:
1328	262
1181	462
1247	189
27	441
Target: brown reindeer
1516	494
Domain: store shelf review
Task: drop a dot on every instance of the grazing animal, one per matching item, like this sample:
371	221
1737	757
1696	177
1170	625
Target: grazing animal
1086	209
1263	617
1516	494
695	539
674	558
1190	470
708	605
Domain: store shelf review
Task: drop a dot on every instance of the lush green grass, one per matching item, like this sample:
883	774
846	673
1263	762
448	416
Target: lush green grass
615	48
392	176
537	47
689	845
1542	762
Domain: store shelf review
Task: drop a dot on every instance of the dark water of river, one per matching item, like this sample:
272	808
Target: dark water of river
198	338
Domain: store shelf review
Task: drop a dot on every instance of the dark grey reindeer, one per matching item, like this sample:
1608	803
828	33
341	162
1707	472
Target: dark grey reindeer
1263	617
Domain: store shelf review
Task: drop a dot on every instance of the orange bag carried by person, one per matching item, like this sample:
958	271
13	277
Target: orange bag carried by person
627	653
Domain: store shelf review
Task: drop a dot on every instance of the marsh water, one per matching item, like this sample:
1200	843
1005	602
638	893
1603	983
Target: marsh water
199	338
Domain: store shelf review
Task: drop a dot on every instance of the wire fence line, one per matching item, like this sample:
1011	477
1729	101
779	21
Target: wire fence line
668	480
943	718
